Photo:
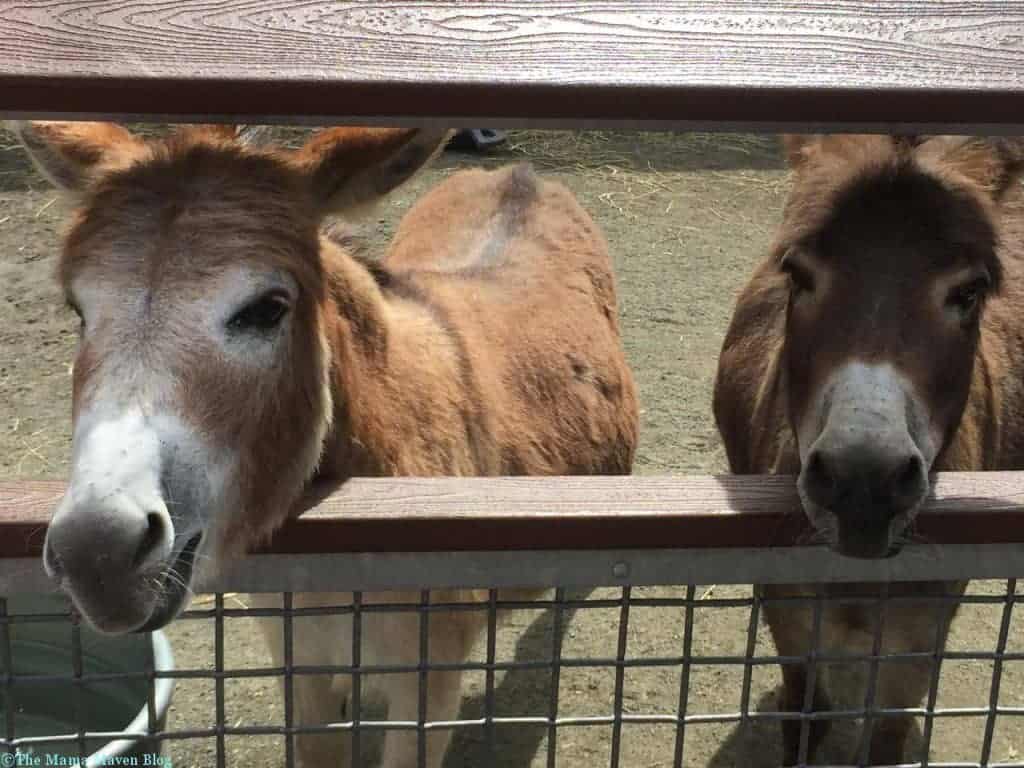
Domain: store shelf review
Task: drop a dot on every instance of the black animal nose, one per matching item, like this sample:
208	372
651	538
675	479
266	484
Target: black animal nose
865	485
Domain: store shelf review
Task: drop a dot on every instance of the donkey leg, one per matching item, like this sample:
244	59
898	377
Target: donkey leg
794	690
444	693
317	699
918	628
790	628
396	641
900	686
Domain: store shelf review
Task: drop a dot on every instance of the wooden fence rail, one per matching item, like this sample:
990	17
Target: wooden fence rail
925	65
396	533
577	513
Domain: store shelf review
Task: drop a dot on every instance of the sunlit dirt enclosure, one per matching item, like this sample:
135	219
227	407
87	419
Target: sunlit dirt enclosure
686	216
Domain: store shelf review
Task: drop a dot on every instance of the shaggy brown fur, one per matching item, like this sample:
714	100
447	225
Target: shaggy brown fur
881	214
510	327
486	343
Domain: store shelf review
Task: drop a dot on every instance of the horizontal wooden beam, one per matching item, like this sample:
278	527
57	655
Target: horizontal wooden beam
756	64
569	514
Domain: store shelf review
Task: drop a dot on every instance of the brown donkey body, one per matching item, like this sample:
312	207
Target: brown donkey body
881	340
231	352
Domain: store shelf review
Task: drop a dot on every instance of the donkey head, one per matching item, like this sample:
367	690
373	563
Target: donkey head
889	247
202	381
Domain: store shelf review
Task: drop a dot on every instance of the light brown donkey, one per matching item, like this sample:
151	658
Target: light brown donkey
880	340
230	352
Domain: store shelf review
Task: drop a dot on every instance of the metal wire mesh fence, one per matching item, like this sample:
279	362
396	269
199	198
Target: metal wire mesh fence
626	676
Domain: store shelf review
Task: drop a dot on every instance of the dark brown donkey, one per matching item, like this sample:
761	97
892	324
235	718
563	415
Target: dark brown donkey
880	340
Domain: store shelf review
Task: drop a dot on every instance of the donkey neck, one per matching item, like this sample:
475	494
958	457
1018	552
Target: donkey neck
403	403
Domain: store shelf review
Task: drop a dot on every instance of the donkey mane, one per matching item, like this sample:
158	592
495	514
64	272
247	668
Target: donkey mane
360	250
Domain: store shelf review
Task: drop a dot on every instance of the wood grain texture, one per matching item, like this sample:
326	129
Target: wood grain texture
949	64
498	514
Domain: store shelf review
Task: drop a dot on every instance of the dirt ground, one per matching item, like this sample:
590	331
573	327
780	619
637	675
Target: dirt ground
686	217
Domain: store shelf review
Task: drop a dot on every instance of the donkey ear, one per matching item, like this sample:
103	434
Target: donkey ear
994	164
73	155
349	168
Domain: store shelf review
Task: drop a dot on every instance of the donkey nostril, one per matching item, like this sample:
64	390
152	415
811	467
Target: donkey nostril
151	539
821	479
820	468
52	561
909	481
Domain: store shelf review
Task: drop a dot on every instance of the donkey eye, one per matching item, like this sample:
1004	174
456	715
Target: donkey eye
965	298
799	276
263	314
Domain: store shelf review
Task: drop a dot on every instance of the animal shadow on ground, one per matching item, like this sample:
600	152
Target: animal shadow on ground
758	744
521	692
